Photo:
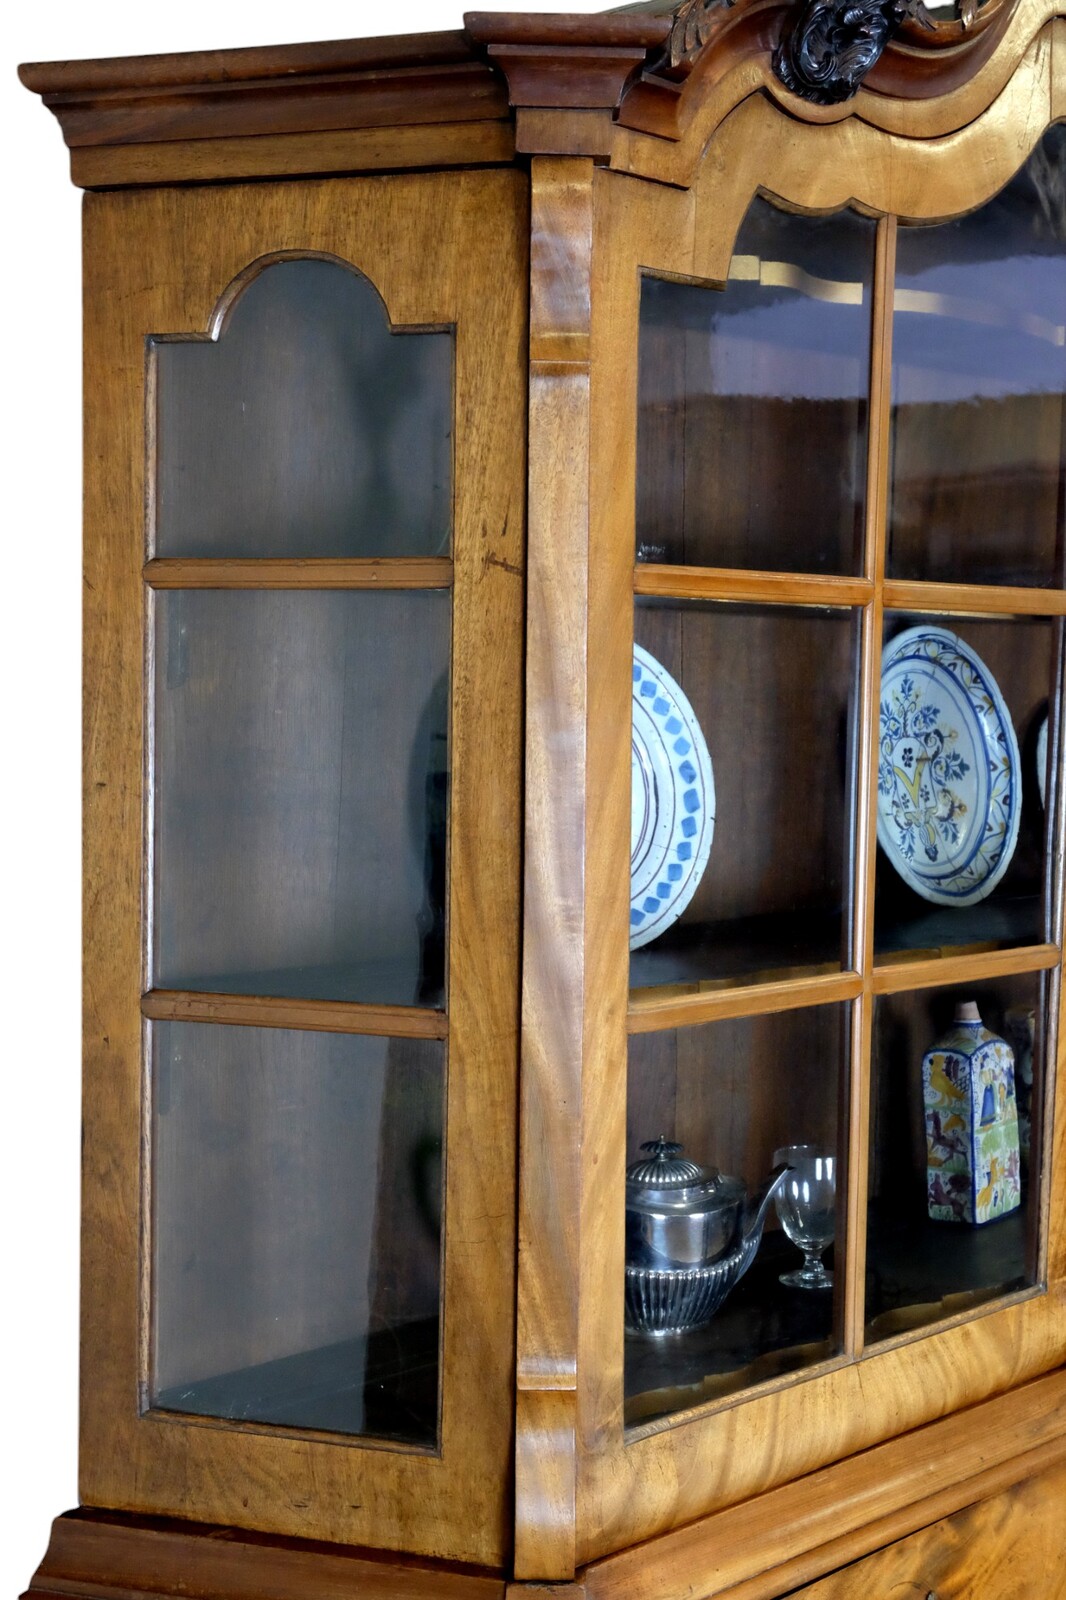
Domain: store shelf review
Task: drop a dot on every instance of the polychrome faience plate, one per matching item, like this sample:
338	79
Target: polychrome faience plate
673	802
949	774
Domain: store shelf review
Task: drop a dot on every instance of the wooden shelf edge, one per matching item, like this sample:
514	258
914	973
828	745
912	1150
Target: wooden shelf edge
430	572
973	599
796	1533
648	1014
272	1011
903	976
664	581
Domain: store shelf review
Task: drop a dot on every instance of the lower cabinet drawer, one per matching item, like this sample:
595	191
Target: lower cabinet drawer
1010	1547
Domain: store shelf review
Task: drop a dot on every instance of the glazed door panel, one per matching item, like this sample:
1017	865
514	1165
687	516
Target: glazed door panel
304	558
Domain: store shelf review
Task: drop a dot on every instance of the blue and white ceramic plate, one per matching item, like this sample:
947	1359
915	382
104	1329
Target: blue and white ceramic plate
949	795
673	802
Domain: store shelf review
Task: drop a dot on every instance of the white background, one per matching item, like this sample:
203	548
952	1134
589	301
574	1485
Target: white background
39	705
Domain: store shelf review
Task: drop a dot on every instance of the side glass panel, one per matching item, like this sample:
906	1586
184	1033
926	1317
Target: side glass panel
752	398
301	793
979	387
957	1094
735	1095
964	790
306	428
296	1219
770	689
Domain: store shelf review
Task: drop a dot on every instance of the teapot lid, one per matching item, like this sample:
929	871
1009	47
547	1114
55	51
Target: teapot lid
664	1168
666	1182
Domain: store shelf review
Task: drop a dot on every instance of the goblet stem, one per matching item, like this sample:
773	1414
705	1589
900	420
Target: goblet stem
812	1274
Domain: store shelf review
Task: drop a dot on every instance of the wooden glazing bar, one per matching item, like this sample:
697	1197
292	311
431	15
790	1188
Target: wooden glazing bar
428	572
865	858
973	599
758	588
903	976
648	1013
276	1011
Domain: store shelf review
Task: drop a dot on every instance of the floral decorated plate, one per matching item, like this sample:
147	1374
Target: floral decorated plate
673	802
949	772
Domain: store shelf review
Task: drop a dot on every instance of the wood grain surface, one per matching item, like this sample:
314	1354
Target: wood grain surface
157	263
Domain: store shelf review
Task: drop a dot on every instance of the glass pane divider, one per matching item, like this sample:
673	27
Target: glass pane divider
254	572
760	588
865	856
905	976
650	1013
274	1011
973	599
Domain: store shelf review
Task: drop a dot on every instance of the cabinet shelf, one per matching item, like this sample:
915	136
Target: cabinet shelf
371	983
393	1397
763	1331
919	1271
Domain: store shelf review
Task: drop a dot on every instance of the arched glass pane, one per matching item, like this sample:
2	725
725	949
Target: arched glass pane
752	397
979	387
307	428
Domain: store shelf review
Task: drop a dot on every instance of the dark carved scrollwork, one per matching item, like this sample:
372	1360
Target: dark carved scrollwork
833	44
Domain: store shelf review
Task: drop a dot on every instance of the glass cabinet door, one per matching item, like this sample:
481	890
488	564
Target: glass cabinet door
331	544
845	913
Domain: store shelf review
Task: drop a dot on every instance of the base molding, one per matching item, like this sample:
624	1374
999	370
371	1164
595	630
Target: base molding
758	1550
113	1555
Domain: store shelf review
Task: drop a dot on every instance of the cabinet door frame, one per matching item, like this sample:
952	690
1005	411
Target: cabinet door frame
596	1489
443	250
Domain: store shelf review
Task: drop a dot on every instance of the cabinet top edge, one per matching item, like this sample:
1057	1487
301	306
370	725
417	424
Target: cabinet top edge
237	67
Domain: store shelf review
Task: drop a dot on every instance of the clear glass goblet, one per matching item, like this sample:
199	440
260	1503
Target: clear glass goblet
806	1206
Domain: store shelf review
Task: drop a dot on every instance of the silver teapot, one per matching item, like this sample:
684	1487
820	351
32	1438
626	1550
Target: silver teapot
691	1234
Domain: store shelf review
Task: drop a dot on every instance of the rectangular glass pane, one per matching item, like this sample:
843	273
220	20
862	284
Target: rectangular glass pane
735	1094
979	387
962	783
296	1216
955	1139
301	774
306	427
771	689
752	396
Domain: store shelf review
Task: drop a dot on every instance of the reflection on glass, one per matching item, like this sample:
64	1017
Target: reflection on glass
954	1150
979	387
301	775
307	428
751	437
962	829
296	1216
770	689
734	1093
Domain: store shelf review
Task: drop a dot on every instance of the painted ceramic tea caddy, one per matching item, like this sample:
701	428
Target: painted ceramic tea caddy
691	1234
971	1123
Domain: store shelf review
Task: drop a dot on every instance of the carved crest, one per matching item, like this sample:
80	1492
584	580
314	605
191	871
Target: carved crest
833	44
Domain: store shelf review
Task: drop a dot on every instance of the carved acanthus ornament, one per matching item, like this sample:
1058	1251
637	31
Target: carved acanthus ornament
832	45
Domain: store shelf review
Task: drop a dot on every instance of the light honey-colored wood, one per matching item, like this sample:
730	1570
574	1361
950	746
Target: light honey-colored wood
973	599
554	989
1006	1547
325	1016
323	573
670	1475
765	1547
649	1010
965	969
1017	66
350	150
157	262
865	856
759	588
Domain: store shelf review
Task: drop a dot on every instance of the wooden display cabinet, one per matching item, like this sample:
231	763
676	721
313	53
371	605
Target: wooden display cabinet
425	377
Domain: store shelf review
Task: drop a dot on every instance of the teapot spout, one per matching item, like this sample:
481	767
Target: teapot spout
760	1204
